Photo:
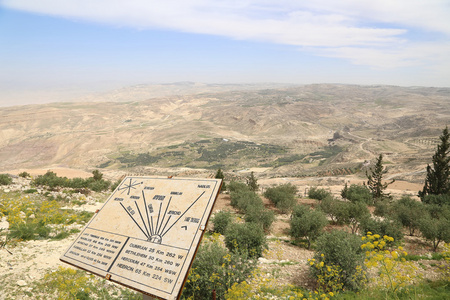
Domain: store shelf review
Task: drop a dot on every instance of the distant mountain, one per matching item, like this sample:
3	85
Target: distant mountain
298	130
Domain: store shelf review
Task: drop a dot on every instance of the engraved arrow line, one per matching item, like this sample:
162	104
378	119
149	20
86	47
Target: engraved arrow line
157	221
134	220
142	219
164	216
166	223
150	225
182	213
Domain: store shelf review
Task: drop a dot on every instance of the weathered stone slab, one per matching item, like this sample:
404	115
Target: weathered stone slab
147	233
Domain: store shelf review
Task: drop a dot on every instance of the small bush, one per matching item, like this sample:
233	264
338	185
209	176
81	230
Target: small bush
94	183
283	196
71	284
358	193
247	239
382	208
307	223
215	268
393	271
391	228
244	199
29	231
342	252
408	212
221	220
333	209
5	179
237	186
435	230
24	174
99	185
318	193
354	214
443	199
261	216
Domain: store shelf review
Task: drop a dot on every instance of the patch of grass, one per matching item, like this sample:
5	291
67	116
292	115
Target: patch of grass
434	256
30	191
33	217
439	289
67	283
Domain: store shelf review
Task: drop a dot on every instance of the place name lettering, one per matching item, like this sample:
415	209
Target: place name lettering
137	246
118	199
204	186
131	210
174	212
135	197
126	267
130	260
192	220
150	208
149	188
159	197
176	193
95	249
158	265
136	253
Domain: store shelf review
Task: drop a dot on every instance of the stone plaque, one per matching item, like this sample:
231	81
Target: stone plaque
147	233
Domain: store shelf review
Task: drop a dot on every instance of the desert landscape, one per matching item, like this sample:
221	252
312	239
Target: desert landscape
321	135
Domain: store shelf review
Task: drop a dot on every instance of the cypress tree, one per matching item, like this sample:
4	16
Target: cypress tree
252	182
375	180
437	181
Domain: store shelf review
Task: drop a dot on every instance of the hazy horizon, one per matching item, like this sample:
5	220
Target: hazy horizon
76	47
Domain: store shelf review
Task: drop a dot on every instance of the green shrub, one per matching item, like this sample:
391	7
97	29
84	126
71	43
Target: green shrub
442	199
24	174
382	208
318	193
408	212
247	239
51	180
215	268
221	220
261	216
70	284
354	214
283	196
30	191
243	199
342	251
5	179
383	227
307	223
237	186
115	185
435	224
29	231
358	193
328	206
99	185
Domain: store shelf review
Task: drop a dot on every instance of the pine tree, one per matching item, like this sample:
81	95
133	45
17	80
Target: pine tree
252	182
437	181
375	180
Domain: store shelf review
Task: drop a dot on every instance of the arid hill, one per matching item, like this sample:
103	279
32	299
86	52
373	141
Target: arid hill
321	129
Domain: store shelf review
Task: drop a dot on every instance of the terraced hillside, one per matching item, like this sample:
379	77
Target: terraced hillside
299	130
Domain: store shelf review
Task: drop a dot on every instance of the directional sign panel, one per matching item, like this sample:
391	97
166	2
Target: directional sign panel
147	233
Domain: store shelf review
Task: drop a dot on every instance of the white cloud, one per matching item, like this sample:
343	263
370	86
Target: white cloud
375	33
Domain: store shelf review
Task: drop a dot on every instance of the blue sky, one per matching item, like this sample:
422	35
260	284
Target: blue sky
47	44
